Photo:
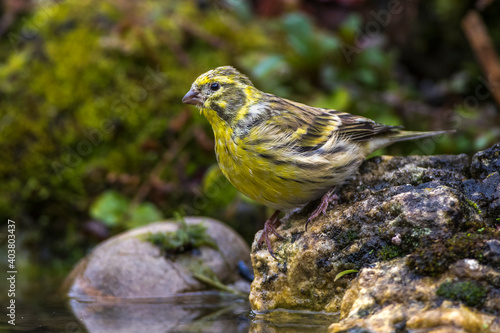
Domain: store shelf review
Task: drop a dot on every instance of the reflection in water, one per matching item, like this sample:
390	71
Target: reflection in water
196	312
287	321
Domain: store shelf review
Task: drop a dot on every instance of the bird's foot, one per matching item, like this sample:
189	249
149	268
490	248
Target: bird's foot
329	197
270	226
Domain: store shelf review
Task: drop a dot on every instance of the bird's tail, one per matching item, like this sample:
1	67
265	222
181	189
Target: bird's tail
411	135
399	135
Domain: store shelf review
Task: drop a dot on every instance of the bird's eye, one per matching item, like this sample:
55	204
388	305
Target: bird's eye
214	86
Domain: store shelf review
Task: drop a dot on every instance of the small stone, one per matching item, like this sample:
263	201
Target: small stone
472	263
486	162
493	251
494	246
128	266
396	240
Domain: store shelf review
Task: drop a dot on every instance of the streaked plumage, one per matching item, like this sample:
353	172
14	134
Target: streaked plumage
281	153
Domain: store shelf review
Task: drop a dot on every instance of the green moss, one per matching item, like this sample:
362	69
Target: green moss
467	292
186	238
474	205
390	251
434	256
434	259
351	235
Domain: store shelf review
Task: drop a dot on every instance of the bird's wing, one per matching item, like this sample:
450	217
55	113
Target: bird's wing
357	128
313	127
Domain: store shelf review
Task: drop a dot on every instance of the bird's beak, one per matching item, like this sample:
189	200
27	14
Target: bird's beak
192	97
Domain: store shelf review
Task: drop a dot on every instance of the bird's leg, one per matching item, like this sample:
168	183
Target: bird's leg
269	226
329	197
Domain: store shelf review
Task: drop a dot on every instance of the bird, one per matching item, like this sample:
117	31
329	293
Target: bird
284	154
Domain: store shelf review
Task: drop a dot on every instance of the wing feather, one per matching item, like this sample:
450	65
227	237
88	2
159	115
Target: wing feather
313	127
358	128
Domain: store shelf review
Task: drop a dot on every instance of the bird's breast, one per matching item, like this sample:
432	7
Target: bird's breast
262	178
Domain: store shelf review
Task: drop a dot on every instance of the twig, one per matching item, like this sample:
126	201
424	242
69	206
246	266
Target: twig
6	21
10	10
166	159
483	47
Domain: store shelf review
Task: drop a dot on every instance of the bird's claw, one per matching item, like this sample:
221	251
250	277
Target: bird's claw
269	226
329	197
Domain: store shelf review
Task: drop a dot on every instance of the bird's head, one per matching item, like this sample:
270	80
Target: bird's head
222	91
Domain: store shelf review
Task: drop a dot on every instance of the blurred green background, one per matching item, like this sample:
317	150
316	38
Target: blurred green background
94	139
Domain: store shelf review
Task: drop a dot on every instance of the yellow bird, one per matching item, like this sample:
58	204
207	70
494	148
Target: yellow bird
281	153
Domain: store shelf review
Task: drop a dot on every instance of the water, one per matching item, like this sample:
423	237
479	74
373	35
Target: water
196	312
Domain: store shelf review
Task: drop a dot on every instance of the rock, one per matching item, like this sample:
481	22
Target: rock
128	266
493	251
408	224
389	297
484	188
486	162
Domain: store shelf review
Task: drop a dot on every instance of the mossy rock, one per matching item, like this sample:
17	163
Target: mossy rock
130	266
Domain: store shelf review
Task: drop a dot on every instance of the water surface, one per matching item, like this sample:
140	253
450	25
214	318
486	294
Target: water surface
195	312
